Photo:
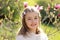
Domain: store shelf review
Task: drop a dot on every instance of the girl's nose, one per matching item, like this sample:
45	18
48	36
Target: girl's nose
33	21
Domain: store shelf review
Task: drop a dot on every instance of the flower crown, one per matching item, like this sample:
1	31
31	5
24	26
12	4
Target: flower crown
36	6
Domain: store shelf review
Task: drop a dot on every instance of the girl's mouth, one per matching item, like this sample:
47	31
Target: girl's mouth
33	24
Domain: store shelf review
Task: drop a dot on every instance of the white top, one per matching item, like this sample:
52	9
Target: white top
32	36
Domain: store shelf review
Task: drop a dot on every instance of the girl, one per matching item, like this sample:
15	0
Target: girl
30	26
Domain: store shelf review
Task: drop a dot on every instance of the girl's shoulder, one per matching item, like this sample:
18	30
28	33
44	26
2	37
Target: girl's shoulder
43	35
19	37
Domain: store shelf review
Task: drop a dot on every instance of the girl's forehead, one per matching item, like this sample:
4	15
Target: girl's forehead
31	14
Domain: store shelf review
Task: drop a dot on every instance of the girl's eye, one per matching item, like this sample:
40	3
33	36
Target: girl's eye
29	19
35	18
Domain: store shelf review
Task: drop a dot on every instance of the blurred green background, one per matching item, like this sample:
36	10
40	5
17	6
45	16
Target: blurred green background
11	14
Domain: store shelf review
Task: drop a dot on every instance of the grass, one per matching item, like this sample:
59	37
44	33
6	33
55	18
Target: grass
52	32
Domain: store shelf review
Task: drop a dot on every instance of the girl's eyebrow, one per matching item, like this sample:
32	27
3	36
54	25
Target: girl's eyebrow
36	16
28	17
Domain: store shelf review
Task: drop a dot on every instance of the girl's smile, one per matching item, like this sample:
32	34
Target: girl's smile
33	25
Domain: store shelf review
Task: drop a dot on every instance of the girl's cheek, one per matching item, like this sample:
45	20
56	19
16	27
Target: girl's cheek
36	20
29	21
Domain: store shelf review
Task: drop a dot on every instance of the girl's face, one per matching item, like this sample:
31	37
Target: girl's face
32	20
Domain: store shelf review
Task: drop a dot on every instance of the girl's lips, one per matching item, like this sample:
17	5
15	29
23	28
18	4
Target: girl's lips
33	24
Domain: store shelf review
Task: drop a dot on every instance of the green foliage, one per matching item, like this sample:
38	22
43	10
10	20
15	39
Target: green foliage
42	3
11	9
52	32
8	30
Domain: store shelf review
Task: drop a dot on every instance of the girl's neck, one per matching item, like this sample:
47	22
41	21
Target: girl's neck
33	31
